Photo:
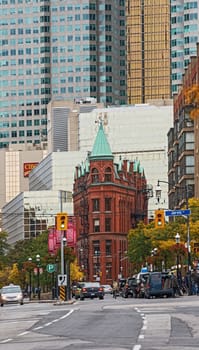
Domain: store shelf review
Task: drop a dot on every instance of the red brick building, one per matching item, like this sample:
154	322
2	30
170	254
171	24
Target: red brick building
109	199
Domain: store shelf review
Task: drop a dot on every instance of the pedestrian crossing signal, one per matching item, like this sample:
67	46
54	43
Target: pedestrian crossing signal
62	221
159	218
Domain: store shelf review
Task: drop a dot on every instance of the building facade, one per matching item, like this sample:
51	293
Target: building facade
131	130
134	132
183	138
109	199
32	212
69	49
184	36
56	172
63	134
148	50
16	163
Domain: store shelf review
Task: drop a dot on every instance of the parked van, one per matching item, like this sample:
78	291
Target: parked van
158	284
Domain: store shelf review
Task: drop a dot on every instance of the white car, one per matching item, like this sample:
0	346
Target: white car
107	288
11	294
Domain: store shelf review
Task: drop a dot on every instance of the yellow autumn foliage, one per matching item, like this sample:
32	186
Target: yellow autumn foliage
192	98
75	273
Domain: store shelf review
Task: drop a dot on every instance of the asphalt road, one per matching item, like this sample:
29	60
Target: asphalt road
134	324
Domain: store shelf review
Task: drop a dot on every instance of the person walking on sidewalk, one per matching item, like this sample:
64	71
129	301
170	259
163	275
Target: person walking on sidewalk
115	289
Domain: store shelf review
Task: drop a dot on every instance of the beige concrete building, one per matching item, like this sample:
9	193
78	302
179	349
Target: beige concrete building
148	50
16	164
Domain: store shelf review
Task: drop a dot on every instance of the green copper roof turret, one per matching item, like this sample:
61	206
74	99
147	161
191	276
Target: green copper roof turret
101	148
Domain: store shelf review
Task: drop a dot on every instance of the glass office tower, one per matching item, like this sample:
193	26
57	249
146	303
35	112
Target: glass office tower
148	47
184	36
57	49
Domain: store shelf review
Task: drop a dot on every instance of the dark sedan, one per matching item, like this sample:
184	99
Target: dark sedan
91	290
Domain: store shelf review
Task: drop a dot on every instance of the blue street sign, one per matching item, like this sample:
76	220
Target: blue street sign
177	212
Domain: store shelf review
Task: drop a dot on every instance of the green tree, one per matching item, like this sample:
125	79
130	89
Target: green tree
139	246
3	248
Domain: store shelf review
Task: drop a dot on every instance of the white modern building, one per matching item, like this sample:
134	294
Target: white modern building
56	171
31	213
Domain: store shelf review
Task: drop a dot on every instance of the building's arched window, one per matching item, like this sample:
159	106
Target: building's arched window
107	175
95	175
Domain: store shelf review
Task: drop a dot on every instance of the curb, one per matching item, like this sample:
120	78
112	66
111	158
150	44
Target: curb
55	302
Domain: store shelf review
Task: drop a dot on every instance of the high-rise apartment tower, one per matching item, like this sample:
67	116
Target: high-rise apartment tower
148	50
184	36
59	48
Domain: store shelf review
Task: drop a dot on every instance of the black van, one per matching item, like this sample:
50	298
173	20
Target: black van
158	284
130	288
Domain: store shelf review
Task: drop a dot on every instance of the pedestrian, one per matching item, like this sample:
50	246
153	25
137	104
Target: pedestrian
175	286
115	289
195	282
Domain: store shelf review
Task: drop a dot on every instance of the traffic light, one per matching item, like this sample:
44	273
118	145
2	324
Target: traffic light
159	218
62	221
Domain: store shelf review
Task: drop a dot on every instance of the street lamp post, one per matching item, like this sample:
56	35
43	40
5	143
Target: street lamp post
38	275
97	265
153	254
30	278
177	237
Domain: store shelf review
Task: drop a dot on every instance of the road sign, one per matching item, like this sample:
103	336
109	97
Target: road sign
62	280
50	268
177	212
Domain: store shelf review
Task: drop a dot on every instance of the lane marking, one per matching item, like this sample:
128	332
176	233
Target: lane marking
66	315
21	334
36	328
137	347
40	327
141	336
6	340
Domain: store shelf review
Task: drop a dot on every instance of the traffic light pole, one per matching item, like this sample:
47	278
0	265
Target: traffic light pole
158	195
188	245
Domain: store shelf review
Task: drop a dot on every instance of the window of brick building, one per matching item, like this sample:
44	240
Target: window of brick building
108	270
107	175
108	248
96	204
107	224
107	204
96	225
95	175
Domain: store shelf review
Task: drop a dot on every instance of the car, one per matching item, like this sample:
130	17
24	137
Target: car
11	294
158	284
91	290
122	282
77	289
107	289
74	288
131	288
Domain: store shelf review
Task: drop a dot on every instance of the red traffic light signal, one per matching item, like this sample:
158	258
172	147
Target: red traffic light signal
159	218
62	221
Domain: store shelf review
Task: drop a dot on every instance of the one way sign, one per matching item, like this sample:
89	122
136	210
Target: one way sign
62	280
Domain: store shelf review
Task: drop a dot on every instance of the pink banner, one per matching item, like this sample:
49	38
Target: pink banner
51	245
54	237
71	234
